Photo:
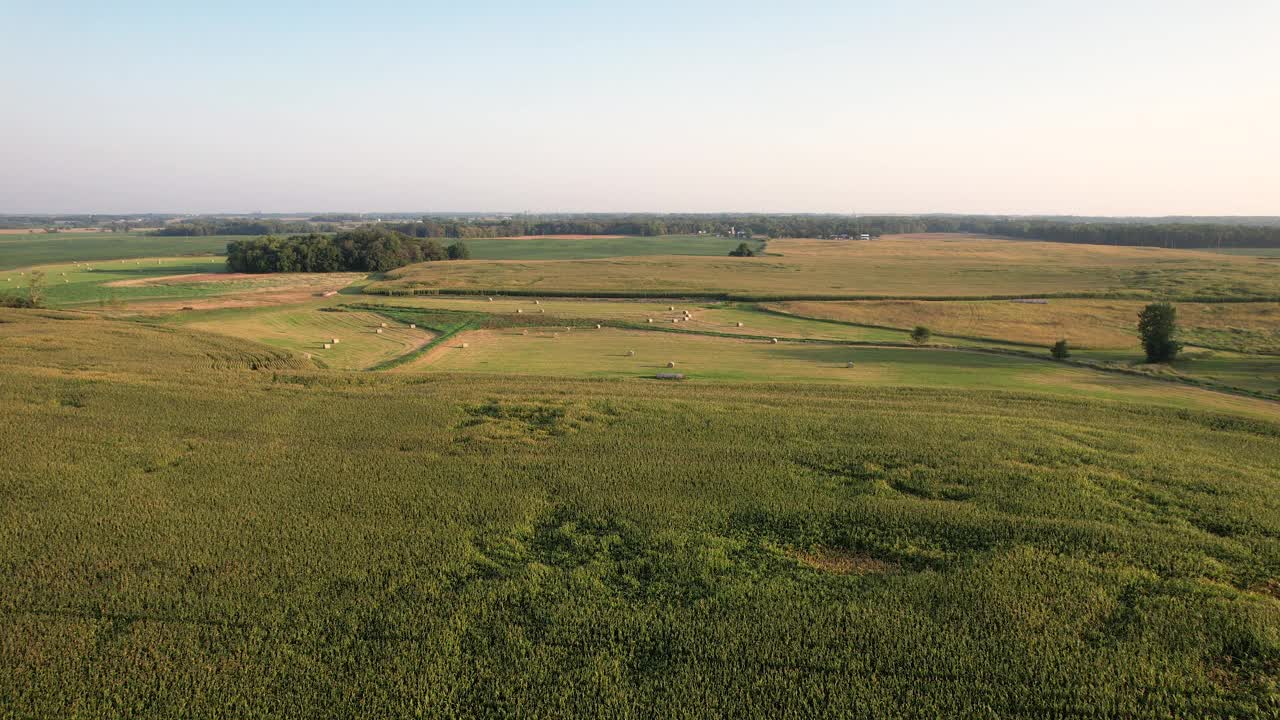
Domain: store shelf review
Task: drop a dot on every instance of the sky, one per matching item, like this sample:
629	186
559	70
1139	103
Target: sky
1122	107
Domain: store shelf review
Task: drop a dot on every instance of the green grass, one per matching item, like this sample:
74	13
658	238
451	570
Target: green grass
292	542
601	247
24	250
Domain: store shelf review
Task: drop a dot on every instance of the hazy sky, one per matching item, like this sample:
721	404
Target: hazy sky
1075	106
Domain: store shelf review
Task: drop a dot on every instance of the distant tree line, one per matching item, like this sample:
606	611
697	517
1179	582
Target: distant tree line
368	249
1173	233
231	226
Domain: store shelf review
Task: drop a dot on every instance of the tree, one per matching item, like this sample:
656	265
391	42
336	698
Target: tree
920	335
743	250
1157	325
459	251
1060	351
35	288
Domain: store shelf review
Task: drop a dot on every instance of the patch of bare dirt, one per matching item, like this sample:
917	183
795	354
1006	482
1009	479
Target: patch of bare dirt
843	562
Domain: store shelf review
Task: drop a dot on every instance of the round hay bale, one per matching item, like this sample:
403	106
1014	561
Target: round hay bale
519	310
671	364
649	320
336	341
412	326
524	332
849	364
675	320
384	324
598	326
739	324
378	330
671	307
466	345
631	353
537	302
773	341
326	346
542	310
490	299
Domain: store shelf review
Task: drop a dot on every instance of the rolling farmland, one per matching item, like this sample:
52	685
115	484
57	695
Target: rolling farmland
502	508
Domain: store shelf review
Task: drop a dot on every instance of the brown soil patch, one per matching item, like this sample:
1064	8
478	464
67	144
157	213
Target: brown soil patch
843	562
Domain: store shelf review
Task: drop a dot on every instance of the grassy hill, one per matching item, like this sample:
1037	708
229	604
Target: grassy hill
896	267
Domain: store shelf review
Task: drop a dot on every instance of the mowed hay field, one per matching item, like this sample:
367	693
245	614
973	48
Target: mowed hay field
592	353
708	317
295	543
1101	324
307	328
894	266
598	246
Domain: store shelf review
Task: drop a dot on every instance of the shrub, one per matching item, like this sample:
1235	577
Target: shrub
1060	350
459	251
743	250
1157	325
920	335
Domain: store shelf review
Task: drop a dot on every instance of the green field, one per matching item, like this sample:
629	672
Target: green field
23	250
204	513
285	542
116	283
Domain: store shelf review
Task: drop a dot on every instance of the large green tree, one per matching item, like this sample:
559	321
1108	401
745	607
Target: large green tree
1157	327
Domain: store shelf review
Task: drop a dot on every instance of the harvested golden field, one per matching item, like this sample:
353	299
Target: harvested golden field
1099	324
961	266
